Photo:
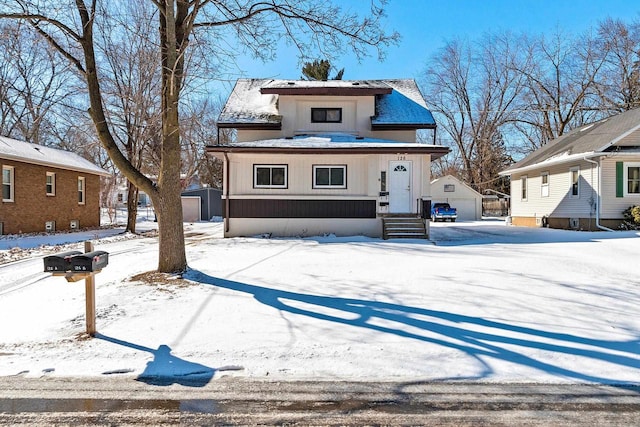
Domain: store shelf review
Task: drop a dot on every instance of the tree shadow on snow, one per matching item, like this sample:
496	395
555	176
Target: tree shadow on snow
478	338
166	369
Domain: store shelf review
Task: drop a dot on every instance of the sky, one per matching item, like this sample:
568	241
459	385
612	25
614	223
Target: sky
471	304
426	25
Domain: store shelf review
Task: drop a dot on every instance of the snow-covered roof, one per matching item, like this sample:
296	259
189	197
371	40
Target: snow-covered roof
254	102
330	142
20	151
591	140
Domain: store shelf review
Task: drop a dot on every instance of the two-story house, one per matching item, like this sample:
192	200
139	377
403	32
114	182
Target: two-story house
324	157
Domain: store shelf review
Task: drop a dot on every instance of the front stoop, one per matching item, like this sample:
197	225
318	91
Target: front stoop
404	227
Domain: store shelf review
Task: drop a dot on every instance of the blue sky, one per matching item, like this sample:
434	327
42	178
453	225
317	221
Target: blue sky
425	26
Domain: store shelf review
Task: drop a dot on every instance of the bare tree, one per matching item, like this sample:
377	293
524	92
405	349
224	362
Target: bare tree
619	83
312	25
474	90
34	85
560	76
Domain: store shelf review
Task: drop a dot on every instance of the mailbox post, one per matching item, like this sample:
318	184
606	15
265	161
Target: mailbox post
75	266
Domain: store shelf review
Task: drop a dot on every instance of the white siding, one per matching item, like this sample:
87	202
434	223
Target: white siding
613	206
560	203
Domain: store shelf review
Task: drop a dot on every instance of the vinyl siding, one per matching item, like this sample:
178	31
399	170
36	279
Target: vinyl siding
559	203
613	206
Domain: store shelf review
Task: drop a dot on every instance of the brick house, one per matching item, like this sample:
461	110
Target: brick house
46	189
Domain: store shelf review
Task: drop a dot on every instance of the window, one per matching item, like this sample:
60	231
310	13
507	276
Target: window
270	176
81	190
51	184
449	188
7	184
383	181
326	115
575	182
632	178
523	184
544	184
329	176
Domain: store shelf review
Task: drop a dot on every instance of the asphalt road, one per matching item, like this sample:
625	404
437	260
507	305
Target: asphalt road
125	401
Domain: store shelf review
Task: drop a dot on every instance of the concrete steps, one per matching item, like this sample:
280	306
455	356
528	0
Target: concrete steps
404	227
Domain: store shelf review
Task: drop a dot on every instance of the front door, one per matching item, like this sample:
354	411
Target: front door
400	187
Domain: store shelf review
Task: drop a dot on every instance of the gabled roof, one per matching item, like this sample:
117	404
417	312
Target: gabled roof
20	151
253	103
619	133
330	144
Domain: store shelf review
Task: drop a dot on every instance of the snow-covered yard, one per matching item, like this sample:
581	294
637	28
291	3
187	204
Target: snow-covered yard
483	301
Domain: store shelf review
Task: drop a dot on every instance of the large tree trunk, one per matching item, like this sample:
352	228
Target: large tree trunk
132	207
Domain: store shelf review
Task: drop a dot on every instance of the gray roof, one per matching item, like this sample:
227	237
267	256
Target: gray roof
398	102
20	151
590	140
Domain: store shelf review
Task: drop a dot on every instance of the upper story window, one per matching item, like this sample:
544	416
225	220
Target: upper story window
51	184
330	176
8	183
575	182
270	176
632	179
326	115
81	190
523	184
544	184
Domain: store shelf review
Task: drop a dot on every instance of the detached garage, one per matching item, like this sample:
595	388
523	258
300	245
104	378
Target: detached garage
466	200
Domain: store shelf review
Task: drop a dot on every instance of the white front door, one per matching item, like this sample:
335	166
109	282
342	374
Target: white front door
400	187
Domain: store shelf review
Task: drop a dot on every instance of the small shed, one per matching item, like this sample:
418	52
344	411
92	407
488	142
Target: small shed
208	200
466	200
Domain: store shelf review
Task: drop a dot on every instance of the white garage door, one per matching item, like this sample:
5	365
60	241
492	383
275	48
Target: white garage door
466	208
190	208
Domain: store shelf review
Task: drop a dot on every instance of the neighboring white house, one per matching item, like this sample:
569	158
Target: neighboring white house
583	180
316	157
466	200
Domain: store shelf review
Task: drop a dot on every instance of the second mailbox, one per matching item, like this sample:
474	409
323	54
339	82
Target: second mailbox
89	261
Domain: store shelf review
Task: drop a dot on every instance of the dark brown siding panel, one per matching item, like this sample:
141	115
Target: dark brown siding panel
261	208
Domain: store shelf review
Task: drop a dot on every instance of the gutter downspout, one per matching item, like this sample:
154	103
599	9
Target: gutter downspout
601	227
225	186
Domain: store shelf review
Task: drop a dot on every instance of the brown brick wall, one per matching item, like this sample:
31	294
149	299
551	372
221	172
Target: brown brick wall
32	207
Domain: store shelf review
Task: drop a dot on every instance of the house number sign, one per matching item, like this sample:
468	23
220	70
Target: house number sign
402	157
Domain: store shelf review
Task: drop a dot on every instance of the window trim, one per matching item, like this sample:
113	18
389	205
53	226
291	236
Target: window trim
52	184
625	178
82	189
11	183
576	184
524	191
326	114
544	187
315	185
271	167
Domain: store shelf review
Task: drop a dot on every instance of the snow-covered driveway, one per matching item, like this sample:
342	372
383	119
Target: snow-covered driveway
482	301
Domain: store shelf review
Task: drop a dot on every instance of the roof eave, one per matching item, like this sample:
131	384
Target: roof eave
254	126
53	165
547	163
402	126
326	91
435	151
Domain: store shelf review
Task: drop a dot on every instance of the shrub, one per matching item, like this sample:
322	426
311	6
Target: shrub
631	217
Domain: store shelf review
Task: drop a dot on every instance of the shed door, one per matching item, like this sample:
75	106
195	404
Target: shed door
190	208
466	209
400	187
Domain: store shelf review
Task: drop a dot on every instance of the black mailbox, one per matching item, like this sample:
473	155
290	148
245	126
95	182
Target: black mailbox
89	261
59	262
